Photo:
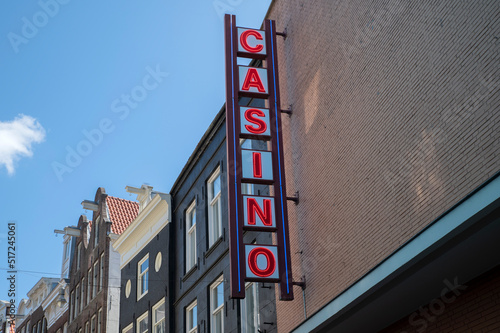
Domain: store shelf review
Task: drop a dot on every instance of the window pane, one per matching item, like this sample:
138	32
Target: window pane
193	218
192	244
145	282
218	322
143	325
145	265
218	296
216	186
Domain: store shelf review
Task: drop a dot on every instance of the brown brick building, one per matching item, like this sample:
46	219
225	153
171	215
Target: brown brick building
94	301
393	145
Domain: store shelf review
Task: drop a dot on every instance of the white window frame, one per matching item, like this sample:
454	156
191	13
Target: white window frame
190	231
159	322
214	222
129	328
83	294
95	279
78	256
72	306
93	322
256	315
140	276
87	327
96	231
101	272
220	308
89	285
145	315
77	299
99	320
189	309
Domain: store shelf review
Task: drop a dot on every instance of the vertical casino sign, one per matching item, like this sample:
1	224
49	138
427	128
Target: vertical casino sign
255	262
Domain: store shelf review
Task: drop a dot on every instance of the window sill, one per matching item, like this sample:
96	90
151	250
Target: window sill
214	246
190	272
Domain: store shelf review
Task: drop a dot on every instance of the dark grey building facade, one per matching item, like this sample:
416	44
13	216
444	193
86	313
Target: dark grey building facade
199	246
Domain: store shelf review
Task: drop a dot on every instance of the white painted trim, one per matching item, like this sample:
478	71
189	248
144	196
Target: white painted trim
430	236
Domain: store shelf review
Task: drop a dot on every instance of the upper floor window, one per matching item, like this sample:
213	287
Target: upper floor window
101	272
159	317
95	281
77	300
93	324
214	208
71	306
142	323
78	256
66	250
191	255
89	286
96	231
192	318
217	306
250	319
82	298
142	276
99	320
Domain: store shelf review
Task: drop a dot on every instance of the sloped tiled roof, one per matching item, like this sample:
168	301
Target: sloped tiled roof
121	212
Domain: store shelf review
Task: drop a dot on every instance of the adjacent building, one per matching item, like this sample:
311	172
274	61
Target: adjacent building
145	299
32	317
200	245
94	286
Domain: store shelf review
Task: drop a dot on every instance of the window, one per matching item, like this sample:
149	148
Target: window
89	287
78	255
96	231
72	305
92	324
217	305
65	328
142	323
250	319
66	250
87	326
192	318
128	329
191	236
99	320
80	330
101	273
159	317
94	283
214	208
82	298
142	276
77	300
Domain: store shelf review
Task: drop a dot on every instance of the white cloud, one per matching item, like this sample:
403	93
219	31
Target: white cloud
16	138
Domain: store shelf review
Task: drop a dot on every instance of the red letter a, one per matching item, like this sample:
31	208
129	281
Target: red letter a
253	80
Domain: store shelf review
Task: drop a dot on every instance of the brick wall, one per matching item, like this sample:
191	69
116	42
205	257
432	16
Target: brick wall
474	309
395	119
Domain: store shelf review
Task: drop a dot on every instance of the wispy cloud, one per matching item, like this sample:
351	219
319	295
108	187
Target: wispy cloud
16	138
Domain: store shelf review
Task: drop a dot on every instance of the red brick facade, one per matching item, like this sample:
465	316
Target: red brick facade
395	119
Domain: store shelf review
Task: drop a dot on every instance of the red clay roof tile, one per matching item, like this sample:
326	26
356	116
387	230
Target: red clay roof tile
121	213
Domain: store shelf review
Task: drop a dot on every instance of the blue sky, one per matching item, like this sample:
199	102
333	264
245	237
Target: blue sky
100	94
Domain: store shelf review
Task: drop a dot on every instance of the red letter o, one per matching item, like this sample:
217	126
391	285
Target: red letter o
252	262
